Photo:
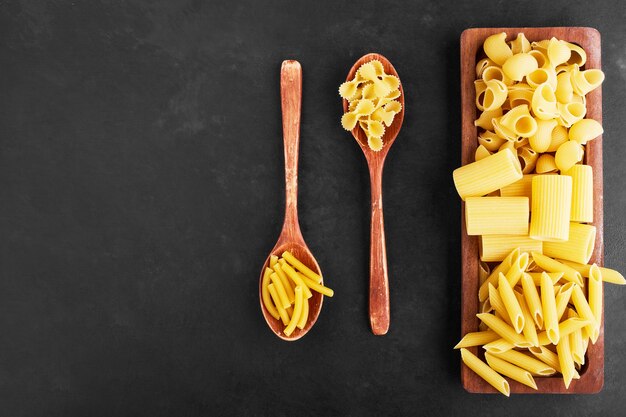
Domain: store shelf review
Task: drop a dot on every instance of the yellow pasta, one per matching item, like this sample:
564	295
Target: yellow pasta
280	290
548	306
532	299
495	300
304	315
608	275
568	155
317	287
551	265
507	332
481	153
482	64
520	44
564	91
566	327
281	310
579	246
492	279
490	140
546	165
520	188
496	48
265	294
273	260
582	193
584	312
585	130
551	206
297	311
541	76
507	369
495	95
559	137
519	121
563	296
570	113
520	94
540	141
301	267
585	81
297	279
532	365
498	346
504	132
578	55
485	372
493	248
517	66
558	52
540	57
490	174
528	159
495	73
477	339
576	341
496	215
546	356
544	103
483	271
516	270
595	298
565	361
530	331
285	283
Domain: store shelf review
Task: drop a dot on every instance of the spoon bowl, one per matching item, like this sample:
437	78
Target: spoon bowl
379	281
290	238
302	252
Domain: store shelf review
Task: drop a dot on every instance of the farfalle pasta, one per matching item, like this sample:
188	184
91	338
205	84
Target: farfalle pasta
372	102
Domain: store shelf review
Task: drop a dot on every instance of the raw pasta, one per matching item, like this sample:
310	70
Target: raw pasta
579	246
490	174
485	372
494	248
551	207
496	215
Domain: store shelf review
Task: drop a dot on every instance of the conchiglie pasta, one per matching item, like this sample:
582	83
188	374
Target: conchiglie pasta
528	159
503	131
481	153
540	76
570	113
568	155
540	141
546	164
520	96
485	119
482	64
495	95
558	52
578	55
585	130
496	48
495	73
490	140
519	121
559	137
585	81
564	90
541	58
544	104
520	44
519	65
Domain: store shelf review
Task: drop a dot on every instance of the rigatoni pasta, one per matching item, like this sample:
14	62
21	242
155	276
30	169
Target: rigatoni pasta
490	174
496	215
579	246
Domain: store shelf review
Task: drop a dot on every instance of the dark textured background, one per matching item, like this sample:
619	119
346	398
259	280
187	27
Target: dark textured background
141	189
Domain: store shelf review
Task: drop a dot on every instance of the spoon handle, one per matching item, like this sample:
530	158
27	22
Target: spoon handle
291	101
379	281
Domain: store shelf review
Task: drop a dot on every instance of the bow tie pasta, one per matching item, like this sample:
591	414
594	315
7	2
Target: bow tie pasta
372	102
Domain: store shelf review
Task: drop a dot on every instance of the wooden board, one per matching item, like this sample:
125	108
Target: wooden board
592	376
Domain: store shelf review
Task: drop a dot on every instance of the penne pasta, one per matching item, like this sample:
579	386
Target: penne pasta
507	369
595	298
608	275
584	312
517	268
546	356
496	215
536	276
511	304
532	300
483	272
496	303
576	342
498	346
532	365
483	291
548	306
565	360
477	339
530	332
550	265
485	372
507	332
562	298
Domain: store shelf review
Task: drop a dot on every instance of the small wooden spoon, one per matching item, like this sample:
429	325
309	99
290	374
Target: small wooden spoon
290	238
379	282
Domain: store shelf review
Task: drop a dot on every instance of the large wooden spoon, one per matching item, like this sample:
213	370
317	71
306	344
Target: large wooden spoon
379	281
290	238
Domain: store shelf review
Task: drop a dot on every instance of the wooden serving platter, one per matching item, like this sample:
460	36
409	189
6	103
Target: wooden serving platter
592	373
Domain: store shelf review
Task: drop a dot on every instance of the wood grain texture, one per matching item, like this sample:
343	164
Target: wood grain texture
379	280
592	375
291	238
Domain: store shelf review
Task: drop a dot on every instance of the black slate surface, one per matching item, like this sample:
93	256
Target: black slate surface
141	179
